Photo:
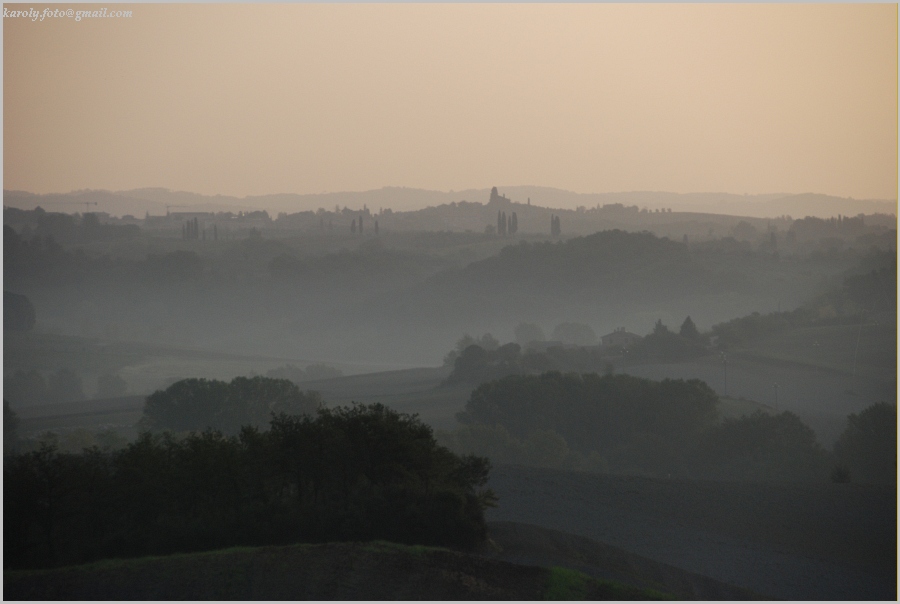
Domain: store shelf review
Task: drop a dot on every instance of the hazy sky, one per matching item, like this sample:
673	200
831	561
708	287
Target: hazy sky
254	99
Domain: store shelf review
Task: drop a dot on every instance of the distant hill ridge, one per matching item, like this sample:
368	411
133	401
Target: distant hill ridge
156	201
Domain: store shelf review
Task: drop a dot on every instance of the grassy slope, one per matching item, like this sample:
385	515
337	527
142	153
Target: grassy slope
335	571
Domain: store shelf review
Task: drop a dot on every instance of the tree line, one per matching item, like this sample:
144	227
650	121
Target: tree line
630	425
349	473
479	360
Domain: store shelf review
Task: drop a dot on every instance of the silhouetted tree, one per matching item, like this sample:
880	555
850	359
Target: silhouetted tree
353	226
689	330
868	445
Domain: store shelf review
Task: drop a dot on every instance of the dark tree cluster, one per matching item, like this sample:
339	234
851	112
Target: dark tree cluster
486	341
640	426
200	404
760	447
478	363
667	345
817	228
867	449
606	405
507	225
348	474
475	361
191	229
555	229
66	228
42	261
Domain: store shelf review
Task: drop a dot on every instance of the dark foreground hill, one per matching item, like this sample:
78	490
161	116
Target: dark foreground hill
334	571
794	541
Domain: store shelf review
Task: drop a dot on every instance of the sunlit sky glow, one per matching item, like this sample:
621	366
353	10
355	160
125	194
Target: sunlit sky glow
253	99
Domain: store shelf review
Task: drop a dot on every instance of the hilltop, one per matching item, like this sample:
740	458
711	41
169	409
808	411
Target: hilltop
158	201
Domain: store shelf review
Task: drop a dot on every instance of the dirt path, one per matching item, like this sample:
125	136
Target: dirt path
798	542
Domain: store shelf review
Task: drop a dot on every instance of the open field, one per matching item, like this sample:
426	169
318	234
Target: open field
786	541
144	367
119	414
333	571
867	350
408	391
